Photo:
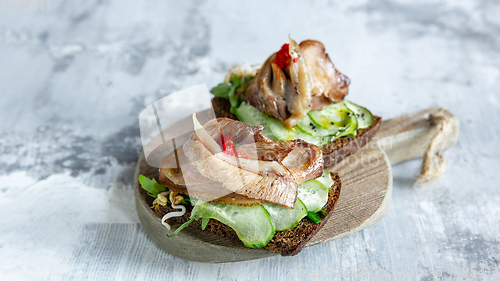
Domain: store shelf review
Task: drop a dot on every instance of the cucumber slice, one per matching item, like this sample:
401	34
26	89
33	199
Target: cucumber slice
282	132
334	116
311	128
252	224
278	129
313	194
363	115
351	130
326	179
316	140
250	115
253	117
318	127
284	218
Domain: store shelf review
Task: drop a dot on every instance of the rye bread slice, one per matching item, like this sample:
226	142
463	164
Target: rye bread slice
333	152
287	242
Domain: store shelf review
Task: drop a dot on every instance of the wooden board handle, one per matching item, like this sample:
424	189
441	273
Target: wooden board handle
408	136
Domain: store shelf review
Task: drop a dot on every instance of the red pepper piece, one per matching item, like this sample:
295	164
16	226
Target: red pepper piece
228	145
283	56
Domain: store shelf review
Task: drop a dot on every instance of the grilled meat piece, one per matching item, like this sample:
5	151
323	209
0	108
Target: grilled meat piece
309	82
265	180
303	160
267	170
326	81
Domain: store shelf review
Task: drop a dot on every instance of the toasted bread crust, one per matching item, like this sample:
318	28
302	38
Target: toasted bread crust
340	148
333	152
287	242
222	108
291	241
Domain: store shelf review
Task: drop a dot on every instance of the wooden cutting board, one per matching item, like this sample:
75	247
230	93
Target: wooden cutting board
365	196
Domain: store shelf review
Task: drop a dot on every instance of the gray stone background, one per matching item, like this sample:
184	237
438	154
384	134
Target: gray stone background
74	79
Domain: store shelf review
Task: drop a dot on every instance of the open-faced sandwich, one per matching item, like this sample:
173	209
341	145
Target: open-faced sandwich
256	173
298	94
230	179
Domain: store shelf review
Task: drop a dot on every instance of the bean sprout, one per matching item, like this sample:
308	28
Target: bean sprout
173	214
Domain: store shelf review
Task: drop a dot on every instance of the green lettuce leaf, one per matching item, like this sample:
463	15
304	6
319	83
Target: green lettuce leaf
228	91
151	186
221	90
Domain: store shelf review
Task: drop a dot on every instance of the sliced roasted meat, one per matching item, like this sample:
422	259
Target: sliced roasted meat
299	92
303	160
267	151
264	180
325	79
319	103
240	132
197	185
306	81
186	179
263	170
267	90
253	180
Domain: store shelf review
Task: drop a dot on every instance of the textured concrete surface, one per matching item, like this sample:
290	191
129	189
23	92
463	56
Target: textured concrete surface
74	79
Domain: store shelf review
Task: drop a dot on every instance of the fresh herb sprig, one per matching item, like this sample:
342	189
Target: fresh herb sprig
151	186
228	91
316	217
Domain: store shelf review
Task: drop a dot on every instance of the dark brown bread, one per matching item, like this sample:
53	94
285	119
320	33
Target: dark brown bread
340	148
291	241
288	242
222	108
333	152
